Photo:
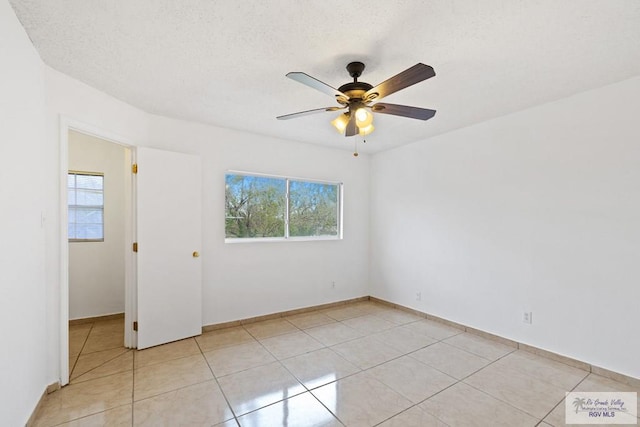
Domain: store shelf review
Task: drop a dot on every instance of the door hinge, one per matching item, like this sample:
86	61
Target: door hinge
135	247
135	326
134	168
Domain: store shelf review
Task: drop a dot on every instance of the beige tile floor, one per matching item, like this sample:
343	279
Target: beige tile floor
363	364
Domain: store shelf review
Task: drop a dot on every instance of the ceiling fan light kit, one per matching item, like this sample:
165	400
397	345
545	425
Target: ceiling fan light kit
360	99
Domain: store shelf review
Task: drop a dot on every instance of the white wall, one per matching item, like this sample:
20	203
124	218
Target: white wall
23	308
250	279
96	269
536	211
240	280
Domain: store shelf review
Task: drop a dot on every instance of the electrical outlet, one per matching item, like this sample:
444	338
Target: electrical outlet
527	317
418	296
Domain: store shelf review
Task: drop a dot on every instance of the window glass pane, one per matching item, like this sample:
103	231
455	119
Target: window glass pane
89	231
86	206
71	196
89	197
254	206
93	182
313	209
88	216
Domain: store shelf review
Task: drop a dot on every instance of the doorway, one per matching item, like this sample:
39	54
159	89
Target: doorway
97	269
96	189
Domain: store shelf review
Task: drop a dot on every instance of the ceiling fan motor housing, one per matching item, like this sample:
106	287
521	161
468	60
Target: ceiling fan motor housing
355	90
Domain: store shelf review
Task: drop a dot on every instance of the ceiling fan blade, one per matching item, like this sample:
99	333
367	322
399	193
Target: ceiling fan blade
308	112
408	77
352	127
403	110
306	79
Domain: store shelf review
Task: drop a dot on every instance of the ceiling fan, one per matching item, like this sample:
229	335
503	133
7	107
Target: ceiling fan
360	99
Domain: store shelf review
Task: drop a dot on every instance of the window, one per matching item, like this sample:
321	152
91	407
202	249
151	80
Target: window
85	197
266	207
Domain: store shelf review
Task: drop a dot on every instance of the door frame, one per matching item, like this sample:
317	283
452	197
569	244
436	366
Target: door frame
67	124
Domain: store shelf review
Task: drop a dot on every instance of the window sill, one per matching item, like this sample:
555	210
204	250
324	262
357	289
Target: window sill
280	239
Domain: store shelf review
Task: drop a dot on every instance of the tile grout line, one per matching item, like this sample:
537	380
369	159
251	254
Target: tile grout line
309	390
503	401
84	343
126	350
458	381
426	364
437	340
361	370
561	400
291	373
226	399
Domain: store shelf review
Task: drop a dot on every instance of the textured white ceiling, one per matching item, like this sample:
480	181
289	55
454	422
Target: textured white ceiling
224	62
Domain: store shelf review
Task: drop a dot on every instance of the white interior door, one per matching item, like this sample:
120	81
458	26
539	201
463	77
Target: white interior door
169	222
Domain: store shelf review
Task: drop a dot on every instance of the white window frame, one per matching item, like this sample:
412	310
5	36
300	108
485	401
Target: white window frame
100	174
287	237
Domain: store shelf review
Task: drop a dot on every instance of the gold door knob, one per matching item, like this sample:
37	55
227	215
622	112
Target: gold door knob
196	254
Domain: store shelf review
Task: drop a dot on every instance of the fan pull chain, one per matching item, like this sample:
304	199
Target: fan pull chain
355	147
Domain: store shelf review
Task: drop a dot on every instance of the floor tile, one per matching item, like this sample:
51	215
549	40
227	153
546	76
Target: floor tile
116	417
464	406
482	347
289	345
366	352
309	320
369	324
77	337
86	398
403	339
89	361
433	329
412	379
163	377
121	363
345	312
361	400
413	417
270	328
450	360
72	362
258	387
556	418
104	337
555	373
524	392
333	333
399	317
199	404
166	352
301	410
238	358
369	307
411	366
319	367
109	325
597	382
223	338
